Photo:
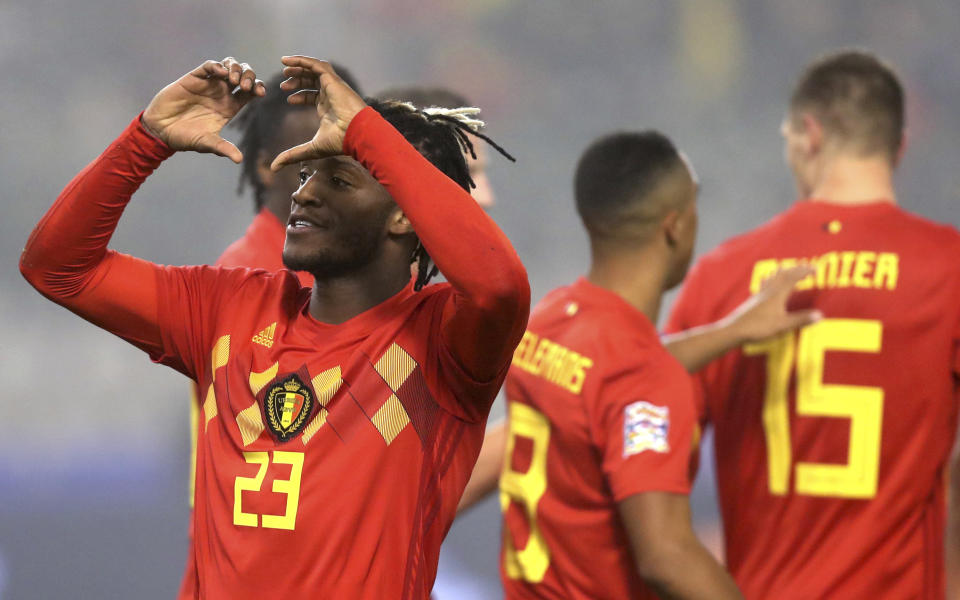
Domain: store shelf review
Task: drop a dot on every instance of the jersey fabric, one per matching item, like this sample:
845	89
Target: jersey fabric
831	442
598	411
260	247
331	457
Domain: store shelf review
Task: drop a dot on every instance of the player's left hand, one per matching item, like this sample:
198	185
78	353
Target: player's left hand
766	314
318	84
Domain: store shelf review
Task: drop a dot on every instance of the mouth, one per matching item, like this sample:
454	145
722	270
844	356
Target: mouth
299	223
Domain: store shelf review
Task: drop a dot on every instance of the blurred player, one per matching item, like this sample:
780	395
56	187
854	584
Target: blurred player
340	423
602	421
831	442
269	126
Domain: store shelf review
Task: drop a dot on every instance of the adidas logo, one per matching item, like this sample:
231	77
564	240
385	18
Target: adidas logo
265	337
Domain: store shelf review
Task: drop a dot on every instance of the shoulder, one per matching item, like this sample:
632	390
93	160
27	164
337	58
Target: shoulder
928	231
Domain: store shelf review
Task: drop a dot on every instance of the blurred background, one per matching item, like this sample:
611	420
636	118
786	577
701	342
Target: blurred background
94	438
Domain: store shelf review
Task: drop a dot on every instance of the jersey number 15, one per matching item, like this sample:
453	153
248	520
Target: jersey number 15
862	405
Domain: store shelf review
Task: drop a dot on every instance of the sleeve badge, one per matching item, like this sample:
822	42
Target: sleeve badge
645	427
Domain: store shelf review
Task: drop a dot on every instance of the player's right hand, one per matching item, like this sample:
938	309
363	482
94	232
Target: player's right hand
768	313
189	113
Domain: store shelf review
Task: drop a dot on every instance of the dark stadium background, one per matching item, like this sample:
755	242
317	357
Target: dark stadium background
93	438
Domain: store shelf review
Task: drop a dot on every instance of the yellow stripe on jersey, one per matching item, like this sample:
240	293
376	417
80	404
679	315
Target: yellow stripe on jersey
390	419
209	407
325	385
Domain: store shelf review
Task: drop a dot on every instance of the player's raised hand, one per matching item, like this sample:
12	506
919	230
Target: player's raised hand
766	313
318	84
189	113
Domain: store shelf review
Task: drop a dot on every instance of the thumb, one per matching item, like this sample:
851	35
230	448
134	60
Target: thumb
802	318
227	149
296	154
217	145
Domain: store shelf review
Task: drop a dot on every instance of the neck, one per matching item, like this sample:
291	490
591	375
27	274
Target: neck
852	181
638	276
339	299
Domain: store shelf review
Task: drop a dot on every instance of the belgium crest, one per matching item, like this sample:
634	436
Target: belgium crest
287	404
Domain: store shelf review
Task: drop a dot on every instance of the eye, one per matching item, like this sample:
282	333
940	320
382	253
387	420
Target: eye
304	176
338	182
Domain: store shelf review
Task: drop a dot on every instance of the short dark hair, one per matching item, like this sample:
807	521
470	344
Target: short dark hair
442	139
615	176
858	99
423	97
261	122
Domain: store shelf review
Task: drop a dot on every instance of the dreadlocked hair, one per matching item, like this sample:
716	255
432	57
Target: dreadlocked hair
443	137
261	122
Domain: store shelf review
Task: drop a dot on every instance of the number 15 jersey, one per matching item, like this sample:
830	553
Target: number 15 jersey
831	442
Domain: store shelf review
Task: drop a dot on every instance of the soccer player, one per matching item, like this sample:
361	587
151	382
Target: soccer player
339	424
269	125
831	442
602	423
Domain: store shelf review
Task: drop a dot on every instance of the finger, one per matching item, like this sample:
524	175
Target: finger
247	77
210	68
235	70
299	83
321	68
802	318
222	147
786	279
307	97
296	154
259	88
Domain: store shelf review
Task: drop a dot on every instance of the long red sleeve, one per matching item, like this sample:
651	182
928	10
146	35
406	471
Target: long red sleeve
493	294
66	258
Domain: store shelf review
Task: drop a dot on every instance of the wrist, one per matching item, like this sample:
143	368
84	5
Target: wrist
148	128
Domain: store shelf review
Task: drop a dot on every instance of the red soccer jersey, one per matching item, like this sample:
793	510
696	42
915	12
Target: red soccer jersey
331	457
831	442
598	412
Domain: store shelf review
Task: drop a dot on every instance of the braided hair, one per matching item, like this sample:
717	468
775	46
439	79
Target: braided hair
443	137
261	122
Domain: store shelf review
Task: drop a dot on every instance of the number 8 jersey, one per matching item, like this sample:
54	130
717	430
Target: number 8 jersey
831	442
598	412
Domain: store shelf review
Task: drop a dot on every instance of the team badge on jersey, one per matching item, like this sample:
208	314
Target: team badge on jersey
287	404
645	427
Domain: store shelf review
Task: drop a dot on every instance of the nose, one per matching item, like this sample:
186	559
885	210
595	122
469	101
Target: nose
304	196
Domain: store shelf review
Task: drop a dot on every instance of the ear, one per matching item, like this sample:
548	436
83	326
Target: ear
263	168
672	227
398	223
813	134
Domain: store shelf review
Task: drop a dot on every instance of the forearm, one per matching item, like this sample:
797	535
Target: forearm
486	473
466	245
66	258
696	347
685	570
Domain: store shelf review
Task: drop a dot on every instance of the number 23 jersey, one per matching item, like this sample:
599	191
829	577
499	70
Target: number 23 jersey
831	442
330	457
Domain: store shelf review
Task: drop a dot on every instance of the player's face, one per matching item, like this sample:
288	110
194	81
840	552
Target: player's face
338	220
483	193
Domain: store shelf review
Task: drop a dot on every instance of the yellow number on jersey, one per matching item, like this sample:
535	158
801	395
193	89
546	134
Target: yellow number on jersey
526	488
863	405
289	487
